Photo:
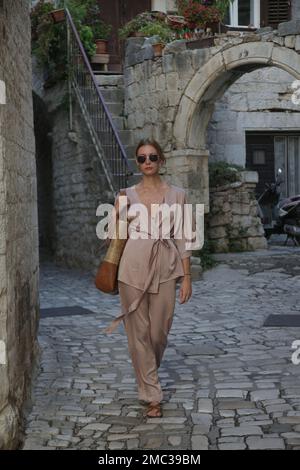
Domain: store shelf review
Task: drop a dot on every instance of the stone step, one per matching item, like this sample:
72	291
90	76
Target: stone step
115	109
132	163
130	151
110	80
115	95
126	138
119	122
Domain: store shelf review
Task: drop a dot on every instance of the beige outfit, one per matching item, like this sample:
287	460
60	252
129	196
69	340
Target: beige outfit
147	275
147	330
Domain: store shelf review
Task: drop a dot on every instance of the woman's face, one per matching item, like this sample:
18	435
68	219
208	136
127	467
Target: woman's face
148	167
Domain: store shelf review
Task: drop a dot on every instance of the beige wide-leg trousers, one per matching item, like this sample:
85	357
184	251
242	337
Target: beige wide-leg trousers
147	329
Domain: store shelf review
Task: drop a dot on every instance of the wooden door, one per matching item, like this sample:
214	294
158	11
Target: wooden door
117	13
260	158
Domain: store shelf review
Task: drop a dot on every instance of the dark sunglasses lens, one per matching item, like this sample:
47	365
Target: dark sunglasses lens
152	158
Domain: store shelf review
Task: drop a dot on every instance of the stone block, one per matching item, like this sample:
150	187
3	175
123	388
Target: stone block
279	40
289	27
255	443
174	47
260	52
248	176
257	243
289	41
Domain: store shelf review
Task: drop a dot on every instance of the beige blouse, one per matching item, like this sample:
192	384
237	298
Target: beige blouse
146	262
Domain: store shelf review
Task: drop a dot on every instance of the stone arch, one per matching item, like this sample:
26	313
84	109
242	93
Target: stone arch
212	80
208	85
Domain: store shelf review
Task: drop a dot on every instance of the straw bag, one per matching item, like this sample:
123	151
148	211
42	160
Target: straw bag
107	274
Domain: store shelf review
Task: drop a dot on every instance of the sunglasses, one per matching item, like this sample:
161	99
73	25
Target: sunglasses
152	158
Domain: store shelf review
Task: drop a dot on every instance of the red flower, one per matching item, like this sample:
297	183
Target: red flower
197	14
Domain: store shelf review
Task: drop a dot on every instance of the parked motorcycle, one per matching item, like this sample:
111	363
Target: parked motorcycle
280	216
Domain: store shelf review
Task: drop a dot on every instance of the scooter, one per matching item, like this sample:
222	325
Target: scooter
279	216
268	210
289	218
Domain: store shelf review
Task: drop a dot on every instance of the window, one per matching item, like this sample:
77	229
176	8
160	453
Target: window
266	151
259	157
274	12
159	5
164	5
244	13
287	157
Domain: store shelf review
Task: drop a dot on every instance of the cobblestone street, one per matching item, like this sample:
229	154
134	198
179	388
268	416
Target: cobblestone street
228	382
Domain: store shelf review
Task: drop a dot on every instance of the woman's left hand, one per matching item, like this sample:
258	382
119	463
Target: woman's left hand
185	290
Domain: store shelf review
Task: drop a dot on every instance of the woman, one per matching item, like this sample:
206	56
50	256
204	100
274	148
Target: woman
147	275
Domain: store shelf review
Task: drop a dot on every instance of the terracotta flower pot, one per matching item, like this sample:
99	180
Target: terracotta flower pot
158	48
58	15
101	46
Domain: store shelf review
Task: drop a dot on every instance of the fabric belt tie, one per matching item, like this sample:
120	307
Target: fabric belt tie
134	305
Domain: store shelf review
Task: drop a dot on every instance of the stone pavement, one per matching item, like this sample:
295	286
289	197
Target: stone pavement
229	382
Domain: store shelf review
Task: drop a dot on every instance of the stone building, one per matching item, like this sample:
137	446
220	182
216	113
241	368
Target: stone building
231	101
19	266
199	103
255	123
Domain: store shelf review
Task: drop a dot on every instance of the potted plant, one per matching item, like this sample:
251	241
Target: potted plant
133	27
58	15
49	39
162	30
177	24
101	32
205	14
199	15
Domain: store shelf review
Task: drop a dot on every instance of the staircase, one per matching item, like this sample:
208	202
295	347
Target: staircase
105	127
112	90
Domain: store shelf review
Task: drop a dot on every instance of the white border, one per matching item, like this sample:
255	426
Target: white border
2	92
2	353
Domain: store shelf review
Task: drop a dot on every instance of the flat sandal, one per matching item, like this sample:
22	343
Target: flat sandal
154	406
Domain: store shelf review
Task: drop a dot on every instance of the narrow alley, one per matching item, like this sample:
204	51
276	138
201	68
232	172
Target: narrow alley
228	381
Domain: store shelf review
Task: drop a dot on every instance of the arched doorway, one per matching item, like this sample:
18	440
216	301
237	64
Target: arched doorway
205	87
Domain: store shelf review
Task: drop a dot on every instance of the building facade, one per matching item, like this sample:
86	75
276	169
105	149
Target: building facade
19	267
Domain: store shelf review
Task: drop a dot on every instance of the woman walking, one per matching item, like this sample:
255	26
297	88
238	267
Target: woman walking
148	271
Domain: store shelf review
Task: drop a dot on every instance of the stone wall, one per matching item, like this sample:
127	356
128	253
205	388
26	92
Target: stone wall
233	224
172	98
19	263
260	100
78	185
153	88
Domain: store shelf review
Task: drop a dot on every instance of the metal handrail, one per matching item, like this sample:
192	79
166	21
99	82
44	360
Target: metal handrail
104	134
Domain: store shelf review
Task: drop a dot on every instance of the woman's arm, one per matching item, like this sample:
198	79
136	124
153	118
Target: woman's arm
112	221
185	255
186	284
